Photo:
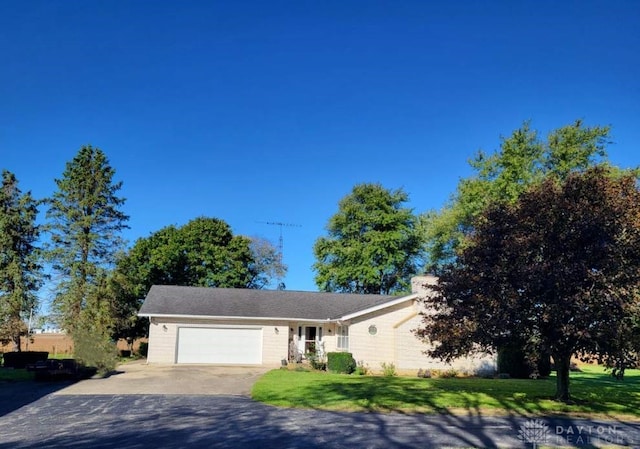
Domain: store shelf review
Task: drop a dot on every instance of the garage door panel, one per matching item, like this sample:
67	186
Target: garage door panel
226	345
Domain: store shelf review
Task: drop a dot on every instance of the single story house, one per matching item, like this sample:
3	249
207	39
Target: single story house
229	326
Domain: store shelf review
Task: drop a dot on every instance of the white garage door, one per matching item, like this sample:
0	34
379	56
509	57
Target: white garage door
225	345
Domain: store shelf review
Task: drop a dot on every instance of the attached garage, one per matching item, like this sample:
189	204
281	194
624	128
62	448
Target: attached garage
220	345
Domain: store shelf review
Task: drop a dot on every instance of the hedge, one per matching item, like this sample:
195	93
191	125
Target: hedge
22	359
341	362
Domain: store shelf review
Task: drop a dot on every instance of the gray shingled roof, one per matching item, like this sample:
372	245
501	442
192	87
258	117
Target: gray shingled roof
232	302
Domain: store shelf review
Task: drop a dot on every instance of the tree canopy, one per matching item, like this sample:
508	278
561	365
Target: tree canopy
204	252
558	270
373	245
522	160
20	266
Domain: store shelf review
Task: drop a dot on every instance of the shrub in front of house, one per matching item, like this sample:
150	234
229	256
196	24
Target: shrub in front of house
341	362
362	369
388	369
316	361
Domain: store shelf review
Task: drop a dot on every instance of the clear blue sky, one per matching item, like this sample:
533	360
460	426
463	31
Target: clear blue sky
255	111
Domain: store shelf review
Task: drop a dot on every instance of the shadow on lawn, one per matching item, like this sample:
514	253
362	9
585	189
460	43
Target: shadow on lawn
470	422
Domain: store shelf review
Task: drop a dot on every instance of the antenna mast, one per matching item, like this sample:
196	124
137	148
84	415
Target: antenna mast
280	244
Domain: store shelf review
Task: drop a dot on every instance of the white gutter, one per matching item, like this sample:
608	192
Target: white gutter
226	317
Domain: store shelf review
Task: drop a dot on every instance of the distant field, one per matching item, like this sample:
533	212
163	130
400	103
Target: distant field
57	345
52	343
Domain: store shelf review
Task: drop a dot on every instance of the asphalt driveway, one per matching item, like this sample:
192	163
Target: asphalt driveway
140	378
183	421
155	406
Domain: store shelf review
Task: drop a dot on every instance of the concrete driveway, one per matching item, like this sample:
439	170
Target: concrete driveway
140	378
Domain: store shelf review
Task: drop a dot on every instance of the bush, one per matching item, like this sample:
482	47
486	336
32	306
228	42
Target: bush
94	348
143	349
449	373
388	369
341	362
316	361
362	369
22	359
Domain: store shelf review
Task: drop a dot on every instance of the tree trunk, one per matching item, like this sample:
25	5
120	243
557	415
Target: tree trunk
16	343
563	364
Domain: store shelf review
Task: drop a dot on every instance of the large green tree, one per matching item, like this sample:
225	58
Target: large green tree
204	252
85	220
522	160
557	270
20	265
373	244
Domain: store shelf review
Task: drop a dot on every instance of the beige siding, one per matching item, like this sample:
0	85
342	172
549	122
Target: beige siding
163	338
410	356
410	353
162	342
373	350
395	342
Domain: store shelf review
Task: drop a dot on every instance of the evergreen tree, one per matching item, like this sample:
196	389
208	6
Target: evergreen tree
20	267
84	221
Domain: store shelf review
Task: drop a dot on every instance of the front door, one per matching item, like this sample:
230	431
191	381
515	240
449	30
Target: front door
310	343
309	339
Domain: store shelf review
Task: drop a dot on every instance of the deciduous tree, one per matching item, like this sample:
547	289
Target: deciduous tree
523	160
372	246
558	269
20	265
204	252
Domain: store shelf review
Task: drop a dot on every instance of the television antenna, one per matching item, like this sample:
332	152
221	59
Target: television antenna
280	243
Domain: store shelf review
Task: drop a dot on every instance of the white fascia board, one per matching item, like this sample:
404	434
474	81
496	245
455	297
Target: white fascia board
391	303
234	318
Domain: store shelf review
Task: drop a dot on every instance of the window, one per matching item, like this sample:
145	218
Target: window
342	332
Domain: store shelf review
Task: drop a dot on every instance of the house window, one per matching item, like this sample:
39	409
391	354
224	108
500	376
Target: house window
342	333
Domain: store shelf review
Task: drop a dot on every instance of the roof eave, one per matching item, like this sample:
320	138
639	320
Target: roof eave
235	318
385	305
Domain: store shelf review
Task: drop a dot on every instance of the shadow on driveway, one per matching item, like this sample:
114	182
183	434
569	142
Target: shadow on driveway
182	421
14	395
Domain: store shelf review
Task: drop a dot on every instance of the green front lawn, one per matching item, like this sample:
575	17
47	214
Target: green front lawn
595	393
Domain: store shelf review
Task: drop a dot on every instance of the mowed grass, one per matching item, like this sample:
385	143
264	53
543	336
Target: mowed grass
15	375
594	391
